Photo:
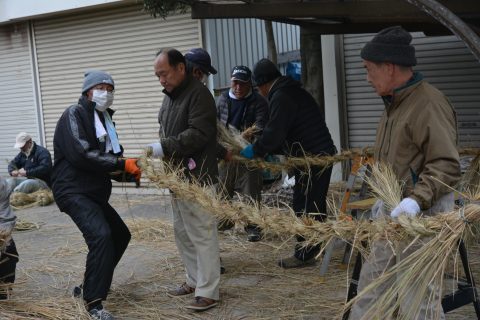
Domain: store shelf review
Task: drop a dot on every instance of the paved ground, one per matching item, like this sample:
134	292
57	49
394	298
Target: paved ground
52	261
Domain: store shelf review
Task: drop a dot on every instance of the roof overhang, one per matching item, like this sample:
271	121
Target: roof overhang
339	17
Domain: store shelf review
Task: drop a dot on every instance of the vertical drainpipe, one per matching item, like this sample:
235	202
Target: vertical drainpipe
36	84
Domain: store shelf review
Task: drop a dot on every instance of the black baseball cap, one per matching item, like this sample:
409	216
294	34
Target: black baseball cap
241	73
201	58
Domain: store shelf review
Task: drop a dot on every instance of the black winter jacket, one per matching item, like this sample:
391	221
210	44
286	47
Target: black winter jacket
79	165
37	165
296	126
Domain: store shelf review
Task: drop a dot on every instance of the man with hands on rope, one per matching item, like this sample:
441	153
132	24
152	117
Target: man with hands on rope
245	110
86	151
417	136
188	135
296	127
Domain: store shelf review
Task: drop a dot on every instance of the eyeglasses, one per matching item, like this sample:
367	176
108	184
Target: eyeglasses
104	87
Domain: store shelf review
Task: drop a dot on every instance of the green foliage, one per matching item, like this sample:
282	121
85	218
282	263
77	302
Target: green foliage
162	8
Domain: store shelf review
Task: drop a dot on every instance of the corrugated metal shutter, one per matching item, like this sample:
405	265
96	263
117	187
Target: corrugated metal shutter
17	103
234	42
444	61
122	41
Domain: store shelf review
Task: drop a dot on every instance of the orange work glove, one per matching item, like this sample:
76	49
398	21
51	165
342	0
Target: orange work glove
132	168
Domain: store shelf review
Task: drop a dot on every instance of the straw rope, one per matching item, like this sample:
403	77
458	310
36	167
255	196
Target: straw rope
20	200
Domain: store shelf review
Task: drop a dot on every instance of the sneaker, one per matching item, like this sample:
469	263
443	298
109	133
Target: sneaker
225	225
202	304
293	262
254	234
181	290
100	314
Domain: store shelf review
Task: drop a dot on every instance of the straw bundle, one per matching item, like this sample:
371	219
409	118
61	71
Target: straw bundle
19	200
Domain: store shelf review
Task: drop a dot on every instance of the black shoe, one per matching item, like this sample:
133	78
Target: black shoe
254	233
293	262
222	268
77	291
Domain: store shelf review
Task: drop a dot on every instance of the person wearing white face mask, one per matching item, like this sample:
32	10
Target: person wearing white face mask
86	151
31	168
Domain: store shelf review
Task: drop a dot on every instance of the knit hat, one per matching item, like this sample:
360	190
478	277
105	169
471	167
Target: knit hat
265	71
391	45
21	139
201	58
241	73
94	77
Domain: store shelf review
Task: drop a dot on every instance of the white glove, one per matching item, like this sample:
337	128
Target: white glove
157	150
407	206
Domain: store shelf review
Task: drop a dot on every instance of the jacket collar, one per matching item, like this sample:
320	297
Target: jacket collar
399	94
180	89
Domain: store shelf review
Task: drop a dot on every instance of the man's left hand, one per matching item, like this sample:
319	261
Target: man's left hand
407	206
22	172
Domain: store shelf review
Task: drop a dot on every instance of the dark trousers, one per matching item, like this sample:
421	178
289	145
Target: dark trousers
310	195
8	263
106	236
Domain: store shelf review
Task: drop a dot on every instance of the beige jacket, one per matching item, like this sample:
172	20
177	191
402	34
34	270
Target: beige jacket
417	135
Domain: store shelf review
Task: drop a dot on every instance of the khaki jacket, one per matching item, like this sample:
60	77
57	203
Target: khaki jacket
417	136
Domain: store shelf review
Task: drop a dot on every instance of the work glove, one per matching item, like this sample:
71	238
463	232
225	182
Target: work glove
156	150
407	206
132	168
247	152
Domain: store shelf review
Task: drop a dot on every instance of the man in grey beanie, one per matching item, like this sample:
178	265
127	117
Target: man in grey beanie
86	152
417	137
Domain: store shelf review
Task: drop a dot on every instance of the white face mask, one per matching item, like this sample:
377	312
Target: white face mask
103	99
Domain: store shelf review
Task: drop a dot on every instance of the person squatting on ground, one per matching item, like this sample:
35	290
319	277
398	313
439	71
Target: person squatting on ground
32	167
246	111
86	151
296	127
417	136
188	132
8	254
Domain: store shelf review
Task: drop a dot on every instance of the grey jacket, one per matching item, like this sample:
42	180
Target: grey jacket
7	217
188	130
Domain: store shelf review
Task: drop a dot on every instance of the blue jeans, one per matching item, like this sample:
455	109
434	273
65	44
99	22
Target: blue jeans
26	185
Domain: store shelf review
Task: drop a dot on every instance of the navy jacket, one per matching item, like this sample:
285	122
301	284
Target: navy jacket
37	165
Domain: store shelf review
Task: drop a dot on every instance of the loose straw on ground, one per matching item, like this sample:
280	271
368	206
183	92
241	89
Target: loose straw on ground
20	200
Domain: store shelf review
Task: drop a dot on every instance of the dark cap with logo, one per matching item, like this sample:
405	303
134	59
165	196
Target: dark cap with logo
201	58
241	73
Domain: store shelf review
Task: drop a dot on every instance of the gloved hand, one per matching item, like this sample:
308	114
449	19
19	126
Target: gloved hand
132	168
247	152
156	149
407	206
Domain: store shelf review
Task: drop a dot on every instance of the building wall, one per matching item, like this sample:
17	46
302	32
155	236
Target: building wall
17	105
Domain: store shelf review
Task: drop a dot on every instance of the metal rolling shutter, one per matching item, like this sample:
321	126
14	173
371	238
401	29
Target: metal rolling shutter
444	61
122	41
17	105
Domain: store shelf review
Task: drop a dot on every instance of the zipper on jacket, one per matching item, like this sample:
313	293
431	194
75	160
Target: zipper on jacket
383	138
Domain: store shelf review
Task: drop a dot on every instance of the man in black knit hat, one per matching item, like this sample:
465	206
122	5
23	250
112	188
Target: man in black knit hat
296	127
417	137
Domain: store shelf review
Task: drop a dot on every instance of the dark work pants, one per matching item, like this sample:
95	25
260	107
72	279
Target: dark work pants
106	236
310	195
8	263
